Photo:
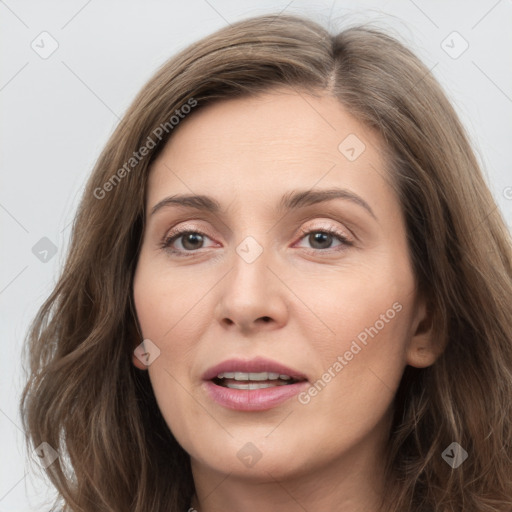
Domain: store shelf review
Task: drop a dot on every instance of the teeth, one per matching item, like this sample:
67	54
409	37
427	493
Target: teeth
252	385
252	376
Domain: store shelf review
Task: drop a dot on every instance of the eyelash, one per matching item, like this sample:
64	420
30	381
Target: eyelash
167	242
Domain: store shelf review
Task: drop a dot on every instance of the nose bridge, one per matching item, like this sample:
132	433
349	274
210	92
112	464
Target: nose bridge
251	291
250	274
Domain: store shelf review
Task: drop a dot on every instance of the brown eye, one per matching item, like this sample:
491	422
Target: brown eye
322	239
190	241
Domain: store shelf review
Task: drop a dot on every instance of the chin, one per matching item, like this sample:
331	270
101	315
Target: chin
262	459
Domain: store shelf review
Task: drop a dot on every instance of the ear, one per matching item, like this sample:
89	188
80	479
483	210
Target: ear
422	351
134	335
138	363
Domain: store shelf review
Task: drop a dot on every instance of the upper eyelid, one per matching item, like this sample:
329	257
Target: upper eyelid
328	224
349	221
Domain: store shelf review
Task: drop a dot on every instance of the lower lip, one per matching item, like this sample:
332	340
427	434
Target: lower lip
253	399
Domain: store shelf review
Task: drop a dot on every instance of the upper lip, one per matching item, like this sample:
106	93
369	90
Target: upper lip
258	364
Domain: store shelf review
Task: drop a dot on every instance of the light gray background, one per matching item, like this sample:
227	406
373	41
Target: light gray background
58	112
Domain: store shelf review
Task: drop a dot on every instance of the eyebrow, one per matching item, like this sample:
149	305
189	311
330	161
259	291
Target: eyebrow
292	200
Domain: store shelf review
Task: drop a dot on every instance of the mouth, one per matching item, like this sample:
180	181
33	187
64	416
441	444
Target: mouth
254	385
256	371
253	380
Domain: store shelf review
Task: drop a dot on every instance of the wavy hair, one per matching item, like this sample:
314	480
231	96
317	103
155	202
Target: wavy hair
85	398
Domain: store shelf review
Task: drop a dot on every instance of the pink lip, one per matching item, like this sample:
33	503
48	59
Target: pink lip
252	399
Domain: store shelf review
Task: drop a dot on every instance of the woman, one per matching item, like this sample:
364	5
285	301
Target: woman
196	354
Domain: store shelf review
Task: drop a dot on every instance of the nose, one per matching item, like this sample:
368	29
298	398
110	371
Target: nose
252	296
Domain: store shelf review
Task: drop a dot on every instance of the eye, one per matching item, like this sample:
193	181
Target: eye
322	238
192	240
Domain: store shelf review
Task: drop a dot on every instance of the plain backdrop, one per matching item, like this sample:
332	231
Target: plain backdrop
59	109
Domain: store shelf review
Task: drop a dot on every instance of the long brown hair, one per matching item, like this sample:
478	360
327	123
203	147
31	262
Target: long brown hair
85	398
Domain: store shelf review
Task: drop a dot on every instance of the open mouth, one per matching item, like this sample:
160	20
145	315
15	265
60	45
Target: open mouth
249	380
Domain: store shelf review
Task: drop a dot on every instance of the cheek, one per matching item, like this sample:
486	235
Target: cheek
367	363
172	313
169	319
367	321
169	305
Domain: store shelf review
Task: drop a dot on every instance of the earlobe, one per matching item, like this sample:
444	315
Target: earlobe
136	356
138	363
422	351
135	334
136	360
421	356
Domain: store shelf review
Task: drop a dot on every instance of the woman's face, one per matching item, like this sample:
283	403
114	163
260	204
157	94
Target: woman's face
276	277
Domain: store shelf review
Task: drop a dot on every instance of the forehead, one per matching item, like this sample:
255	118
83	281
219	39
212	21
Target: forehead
258	148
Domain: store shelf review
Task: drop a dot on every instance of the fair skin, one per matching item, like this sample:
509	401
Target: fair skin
326	453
